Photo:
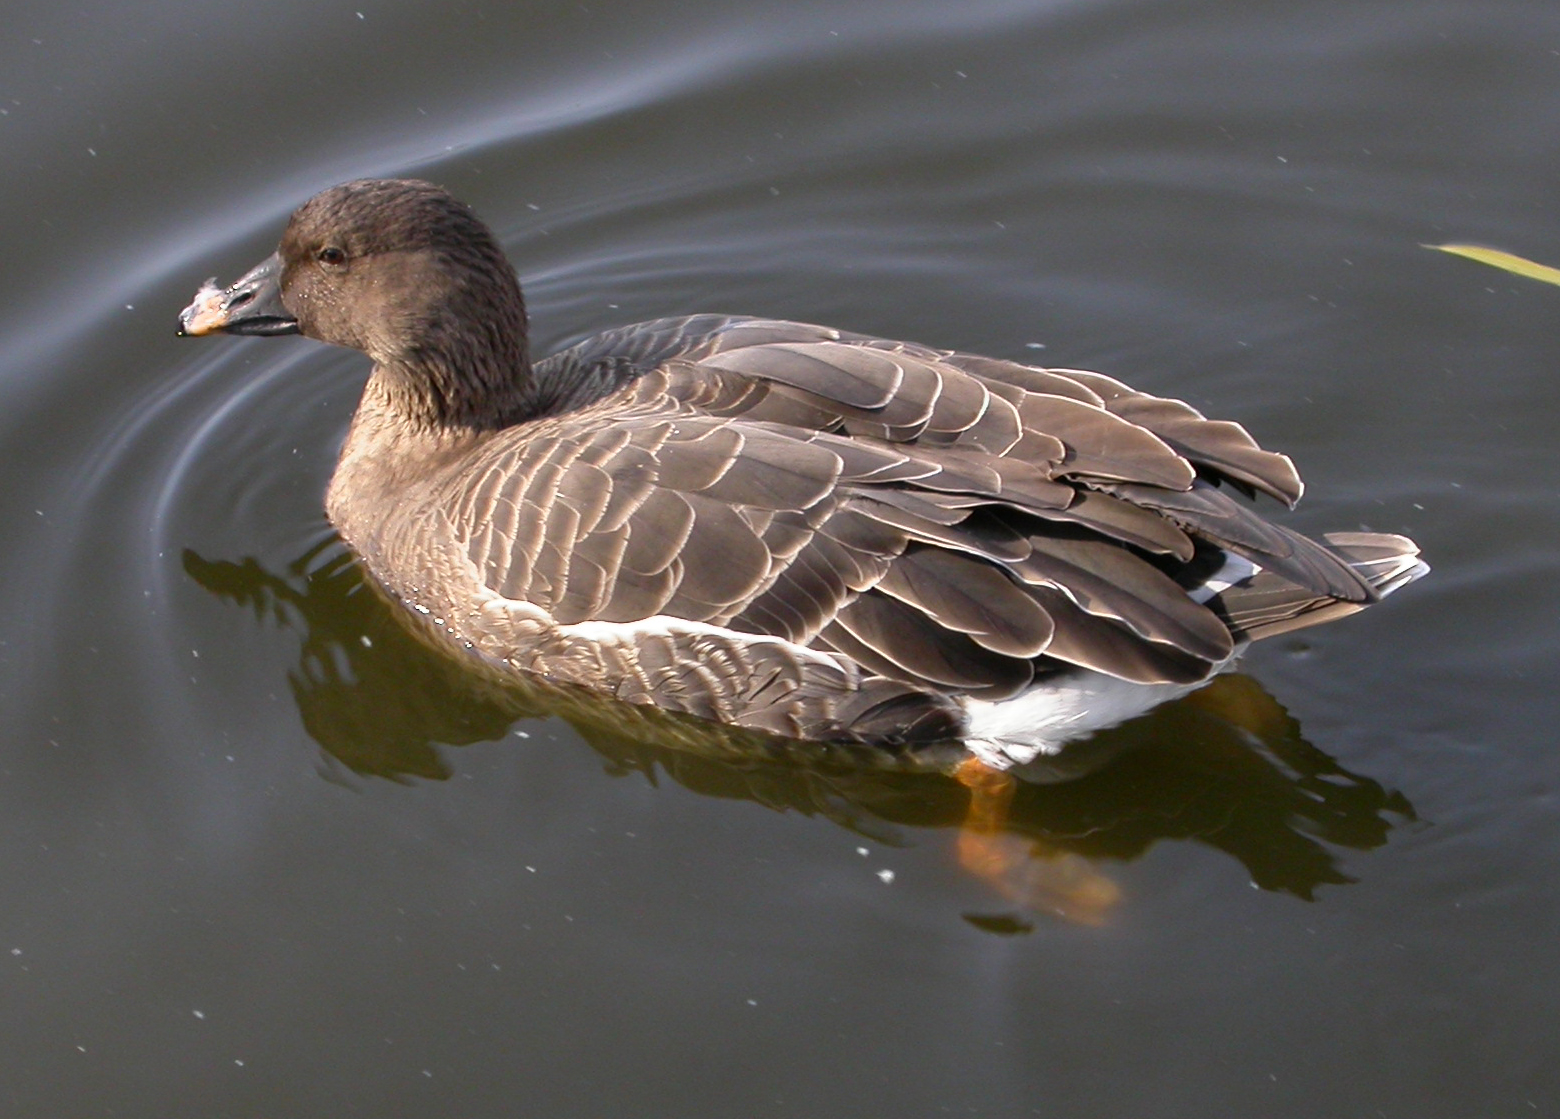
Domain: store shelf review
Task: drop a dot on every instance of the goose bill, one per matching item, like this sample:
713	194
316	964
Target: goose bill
251	305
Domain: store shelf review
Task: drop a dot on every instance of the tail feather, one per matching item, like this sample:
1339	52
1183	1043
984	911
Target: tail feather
1266	604
1386	561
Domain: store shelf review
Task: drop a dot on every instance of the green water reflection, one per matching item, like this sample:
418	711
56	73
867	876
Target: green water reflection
1227	767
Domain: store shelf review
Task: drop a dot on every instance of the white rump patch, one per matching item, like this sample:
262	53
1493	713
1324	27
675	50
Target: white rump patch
1013	732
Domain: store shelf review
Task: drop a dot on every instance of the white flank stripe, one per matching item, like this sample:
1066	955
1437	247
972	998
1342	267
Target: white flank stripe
664	625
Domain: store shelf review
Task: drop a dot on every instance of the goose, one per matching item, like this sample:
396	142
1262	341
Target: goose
784	527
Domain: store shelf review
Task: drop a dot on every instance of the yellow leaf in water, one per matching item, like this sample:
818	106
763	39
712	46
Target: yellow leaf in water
1511	263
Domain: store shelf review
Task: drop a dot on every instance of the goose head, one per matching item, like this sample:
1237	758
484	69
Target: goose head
404	272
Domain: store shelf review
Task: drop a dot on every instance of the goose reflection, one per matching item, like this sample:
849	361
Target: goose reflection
1226	766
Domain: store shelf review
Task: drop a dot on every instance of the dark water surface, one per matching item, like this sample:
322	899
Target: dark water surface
263	856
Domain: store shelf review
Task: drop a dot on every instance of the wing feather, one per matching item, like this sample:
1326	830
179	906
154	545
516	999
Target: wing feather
1211	513
859	379
657	532
1103	445
1110	581
970	596
898	633
1225	446
946	521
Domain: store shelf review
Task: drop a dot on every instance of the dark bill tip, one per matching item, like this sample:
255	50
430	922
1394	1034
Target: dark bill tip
251	305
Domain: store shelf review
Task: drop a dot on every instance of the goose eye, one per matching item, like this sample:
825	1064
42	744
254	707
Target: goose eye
332	255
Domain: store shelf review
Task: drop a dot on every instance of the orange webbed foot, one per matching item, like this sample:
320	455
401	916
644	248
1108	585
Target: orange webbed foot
1025	871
